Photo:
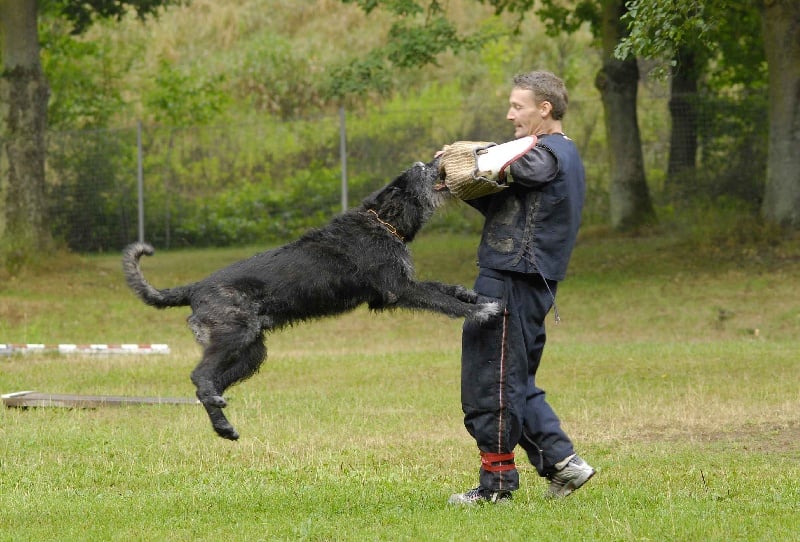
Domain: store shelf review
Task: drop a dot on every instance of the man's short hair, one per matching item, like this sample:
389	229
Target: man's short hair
545	87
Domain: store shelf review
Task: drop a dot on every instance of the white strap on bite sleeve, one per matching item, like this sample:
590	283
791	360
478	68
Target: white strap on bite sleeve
492	161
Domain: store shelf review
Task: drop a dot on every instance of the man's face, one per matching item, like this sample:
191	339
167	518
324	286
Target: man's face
523	111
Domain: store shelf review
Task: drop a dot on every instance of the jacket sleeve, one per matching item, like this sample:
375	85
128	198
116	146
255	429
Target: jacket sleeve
535	168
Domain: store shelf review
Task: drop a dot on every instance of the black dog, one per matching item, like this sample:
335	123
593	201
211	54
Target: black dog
359	257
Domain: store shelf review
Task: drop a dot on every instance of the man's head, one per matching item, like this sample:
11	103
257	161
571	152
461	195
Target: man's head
537	103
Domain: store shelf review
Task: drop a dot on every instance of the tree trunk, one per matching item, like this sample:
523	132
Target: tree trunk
781	23
24	93
618	82
683	136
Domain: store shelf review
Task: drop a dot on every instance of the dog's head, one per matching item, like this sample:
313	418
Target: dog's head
421	182
411	198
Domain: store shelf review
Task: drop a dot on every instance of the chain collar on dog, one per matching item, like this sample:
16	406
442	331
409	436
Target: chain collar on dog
388	226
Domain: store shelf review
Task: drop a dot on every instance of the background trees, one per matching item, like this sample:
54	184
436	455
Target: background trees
23	118
24	95
741	38
698	135
781	22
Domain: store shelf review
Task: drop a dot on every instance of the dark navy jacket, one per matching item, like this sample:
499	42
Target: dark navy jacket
531	226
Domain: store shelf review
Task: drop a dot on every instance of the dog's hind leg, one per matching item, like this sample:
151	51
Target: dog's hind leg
246	363
206	380
220	423
214	355
233	351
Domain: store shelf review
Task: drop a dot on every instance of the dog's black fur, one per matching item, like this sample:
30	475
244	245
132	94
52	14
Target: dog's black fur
359	257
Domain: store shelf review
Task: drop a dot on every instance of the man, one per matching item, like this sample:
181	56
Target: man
528	236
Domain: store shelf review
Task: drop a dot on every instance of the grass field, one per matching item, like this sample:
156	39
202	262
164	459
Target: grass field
675	369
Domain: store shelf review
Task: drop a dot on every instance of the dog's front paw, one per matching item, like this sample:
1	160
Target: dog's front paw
486	311
466	295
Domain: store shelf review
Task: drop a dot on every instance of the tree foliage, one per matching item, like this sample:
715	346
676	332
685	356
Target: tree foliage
417	37
82	13
729	32
558	16
179	98
658	29
83	77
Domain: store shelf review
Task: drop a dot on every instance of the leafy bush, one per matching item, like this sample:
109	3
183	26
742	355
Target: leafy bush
257	211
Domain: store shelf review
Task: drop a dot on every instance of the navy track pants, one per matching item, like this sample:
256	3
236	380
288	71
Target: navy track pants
502	405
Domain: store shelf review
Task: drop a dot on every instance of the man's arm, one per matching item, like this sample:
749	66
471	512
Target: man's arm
536	167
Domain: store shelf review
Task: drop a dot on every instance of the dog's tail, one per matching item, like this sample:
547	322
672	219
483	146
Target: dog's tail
169	297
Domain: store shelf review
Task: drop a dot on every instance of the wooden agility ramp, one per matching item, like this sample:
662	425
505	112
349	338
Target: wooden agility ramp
35	348
26	399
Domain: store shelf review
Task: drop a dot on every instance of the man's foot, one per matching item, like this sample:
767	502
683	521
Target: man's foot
569	478
480	495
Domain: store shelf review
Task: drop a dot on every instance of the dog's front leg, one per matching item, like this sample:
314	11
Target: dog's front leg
445	299
455	290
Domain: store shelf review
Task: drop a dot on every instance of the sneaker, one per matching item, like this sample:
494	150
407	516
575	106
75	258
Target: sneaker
479	495
572	476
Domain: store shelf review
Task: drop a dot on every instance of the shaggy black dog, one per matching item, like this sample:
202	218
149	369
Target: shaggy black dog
359	257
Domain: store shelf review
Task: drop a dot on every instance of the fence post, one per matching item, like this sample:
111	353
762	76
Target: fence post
140	180
343	155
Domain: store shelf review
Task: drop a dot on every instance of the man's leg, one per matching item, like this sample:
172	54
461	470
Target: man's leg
493	382
543	439
548	447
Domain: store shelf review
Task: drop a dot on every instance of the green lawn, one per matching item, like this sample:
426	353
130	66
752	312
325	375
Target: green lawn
675	369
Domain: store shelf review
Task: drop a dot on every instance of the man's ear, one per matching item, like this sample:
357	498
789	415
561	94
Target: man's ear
545	108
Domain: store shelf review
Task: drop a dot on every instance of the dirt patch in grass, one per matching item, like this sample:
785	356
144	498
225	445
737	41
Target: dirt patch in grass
18	312
764	437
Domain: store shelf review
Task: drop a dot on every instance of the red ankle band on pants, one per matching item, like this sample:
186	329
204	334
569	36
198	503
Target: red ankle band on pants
497	462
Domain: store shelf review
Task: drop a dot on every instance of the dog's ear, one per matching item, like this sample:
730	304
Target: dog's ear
374	199
401	181
370	201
